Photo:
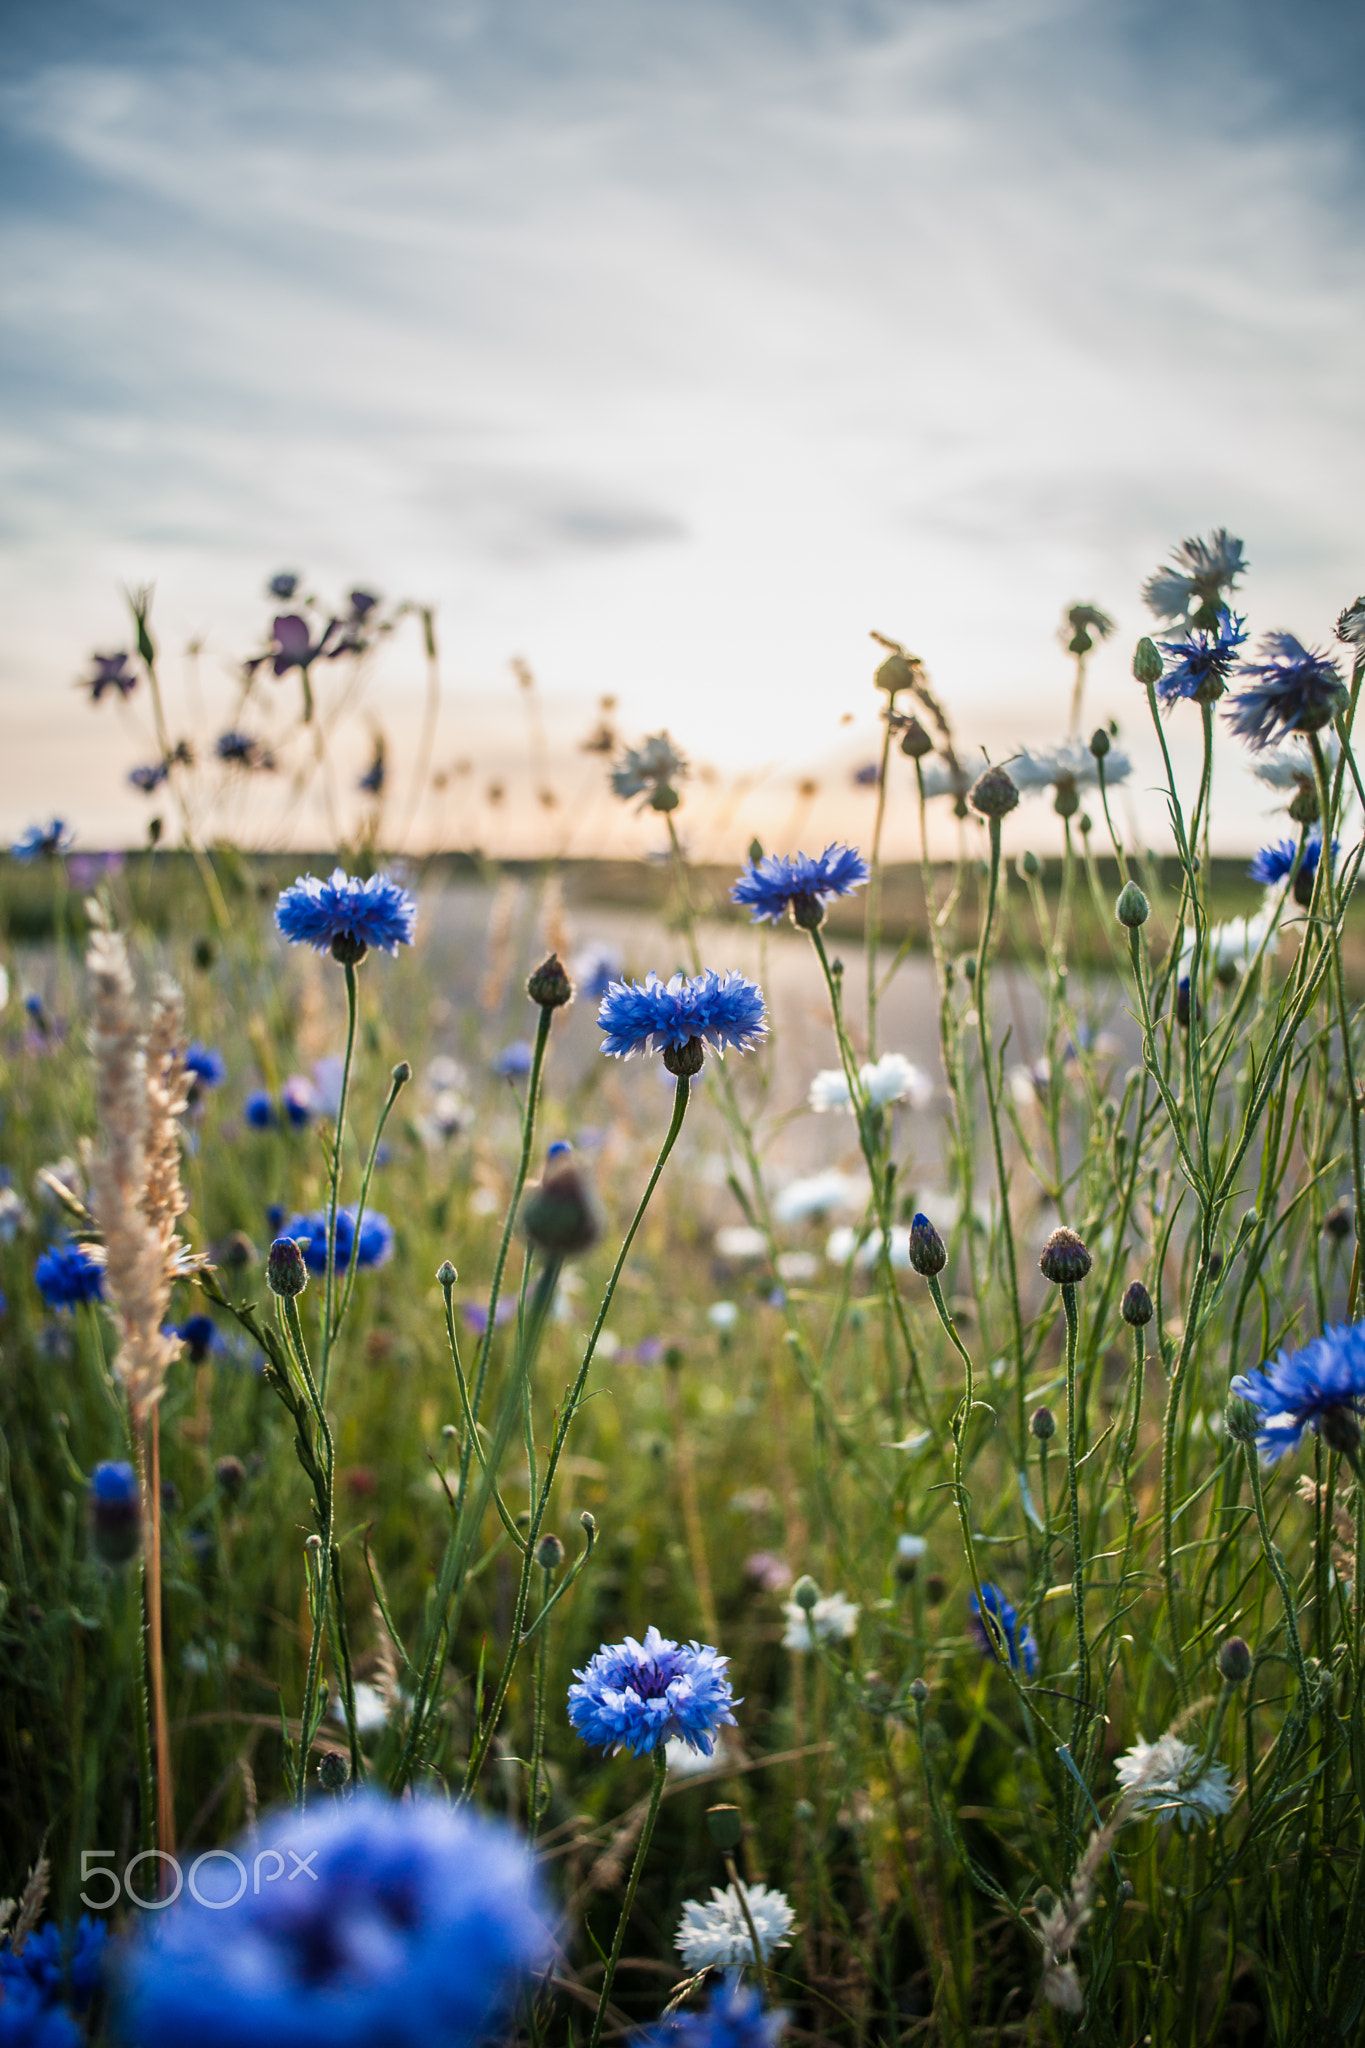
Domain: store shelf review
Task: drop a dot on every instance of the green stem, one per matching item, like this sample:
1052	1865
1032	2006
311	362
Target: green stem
632	1886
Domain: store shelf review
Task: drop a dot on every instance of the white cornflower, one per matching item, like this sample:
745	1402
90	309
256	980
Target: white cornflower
722	1316
13	1215
797	1267
1199	572
941	778
714	1933
739	1241
371	1708
449	1117
832	1619
1290	765
655	764
892	1078
1168	1777
910	1549
1072	762
685	1762
1231	945
842	1243
817	1195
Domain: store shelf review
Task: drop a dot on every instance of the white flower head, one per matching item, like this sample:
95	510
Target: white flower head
941	778
910	1549
1169	1778
1199	572
892	1078
14	1215
1231	945
1290	765
1072	761
832	1619
714	1934
722	1316
655	764
817	1195
739	1242
685	1762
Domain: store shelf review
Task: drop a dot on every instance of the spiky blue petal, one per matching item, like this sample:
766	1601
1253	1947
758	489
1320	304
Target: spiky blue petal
770	886
376	913
637	1696
1019	1644
1296	1390
1202	661
1291	688
723	1010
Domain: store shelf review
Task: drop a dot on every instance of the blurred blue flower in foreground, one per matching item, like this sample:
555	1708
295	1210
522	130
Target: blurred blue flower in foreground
375	1246
57	1961
1194	583
345	917
67	1275
1319	1387
719	1010
735	2018
1292	689
411	1924
1019	1643
1201	663
44	842
638	1696
1274	863
801	883
110	672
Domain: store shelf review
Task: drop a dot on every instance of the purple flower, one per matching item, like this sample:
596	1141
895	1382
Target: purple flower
1201	663
110	672
1291	688
149	777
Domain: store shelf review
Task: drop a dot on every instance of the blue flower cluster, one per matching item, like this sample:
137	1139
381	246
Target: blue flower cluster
298	1101
59	1968
1320	1387
1293	689
309	1231
735	2018
345	916
1020	1646
67	1275
795	882
720	1010
1273	863
412	1923
1201	662
638	1696
205	1065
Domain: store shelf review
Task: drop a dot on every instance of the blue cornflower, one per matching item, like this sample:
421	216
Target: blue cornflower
414	1923
1320	1387
801	883
1295	689
310	1231
59	1962
67	1275
115	1509
28	2020
735	2018
344	916
200	1336
513	1063
241	750
1202	662
44	842
1019	1643
284	585
679	1017
260	1111
149	778
594	971
1274	863
638	1696
205	1064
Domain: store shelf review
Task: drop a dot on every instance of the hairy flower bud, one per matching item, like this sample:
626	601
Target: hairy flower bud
1100	743
549	1553
928	1253
1147	662
896	673
805	1593
562	1216
285	1272
915	741
550	986
1043	1425
993	794
1137	1306
333	1770
1132	908
1234	1660
1065	1260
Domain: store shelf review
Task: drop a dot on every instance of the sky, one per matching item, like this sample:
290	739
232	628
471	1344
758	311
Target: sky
672	348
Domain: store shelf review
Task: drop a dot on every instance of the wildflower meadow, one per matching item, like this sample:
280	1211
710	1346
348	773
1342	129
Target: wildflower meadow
565	1478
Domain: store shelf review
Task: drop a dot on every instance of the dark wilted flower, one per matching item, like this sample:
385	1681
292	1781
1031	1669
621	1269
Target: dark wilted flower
110	672
1291	688
1198	666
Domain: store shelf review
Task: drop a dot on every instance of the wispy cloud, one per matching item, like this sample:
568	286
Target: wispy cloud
679	346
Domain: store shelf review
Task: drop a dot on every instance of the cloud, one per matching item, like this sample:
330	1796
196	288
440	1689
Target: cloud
679	346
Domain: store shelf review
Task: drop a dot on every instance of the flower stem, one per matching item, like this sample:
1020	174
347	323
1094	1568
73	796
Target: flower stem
632	1886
